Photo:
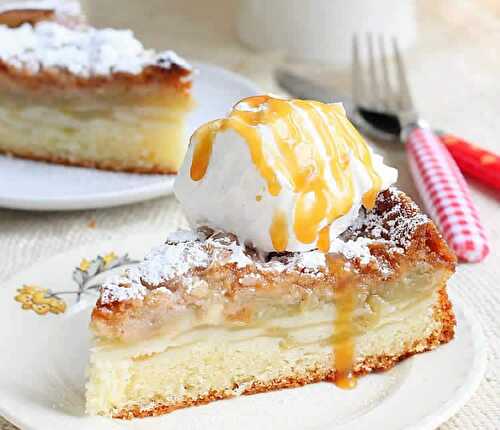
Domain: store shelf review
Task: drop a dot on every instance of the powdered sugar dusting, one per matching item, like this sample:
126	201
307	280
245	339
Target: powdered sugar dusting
120	289
84	52
237	255
394	226
168	261
310	262
184	253
353	249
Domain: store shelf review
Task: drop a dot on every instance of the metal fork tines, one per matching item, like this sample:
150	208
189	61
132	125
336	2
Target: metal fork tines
381	92
436	176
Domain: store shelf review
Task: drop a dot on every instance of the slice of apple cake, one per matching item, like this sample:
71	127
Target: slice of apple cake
205	318
90	97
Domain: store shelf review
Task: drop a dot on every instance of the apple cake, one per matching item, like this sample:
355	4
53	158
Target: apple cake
205	317
89	97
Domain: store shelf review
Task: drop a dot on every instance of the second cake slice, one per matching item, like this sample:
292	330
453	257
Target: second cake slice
90	97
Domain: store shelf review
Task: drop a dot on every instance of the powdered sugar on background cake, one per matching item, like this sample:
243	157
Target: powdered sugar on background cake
84	52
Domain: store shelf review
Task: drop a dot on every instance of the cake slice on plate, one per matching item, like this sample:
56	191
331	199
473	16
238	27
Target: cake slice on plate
214	313
91	97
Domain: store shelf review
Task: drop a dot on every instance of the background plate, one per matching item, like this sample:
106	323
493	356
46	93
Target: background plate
26	184
43	359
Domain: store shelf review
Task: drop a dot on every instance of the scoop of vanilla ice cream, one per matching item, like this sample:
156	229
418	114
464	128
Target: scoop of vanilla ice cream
234	196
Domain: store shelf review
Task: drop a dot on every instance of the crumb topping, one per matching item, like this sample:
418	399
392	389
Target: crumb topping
392	223
121	289
84	52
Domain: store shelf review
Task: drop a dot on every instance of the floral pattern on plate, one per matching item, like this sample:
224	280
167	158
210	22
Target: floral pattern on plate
43	301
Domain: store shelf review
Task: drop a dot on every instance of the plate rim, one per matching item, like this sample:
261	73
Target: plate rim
124	197
470	384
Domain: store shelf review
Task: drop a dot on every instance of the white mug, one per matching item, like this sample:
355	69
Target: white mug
322	30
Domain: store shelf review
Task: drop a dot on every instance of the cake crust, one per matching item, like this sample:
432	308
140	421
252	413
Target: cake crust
442	311
61	80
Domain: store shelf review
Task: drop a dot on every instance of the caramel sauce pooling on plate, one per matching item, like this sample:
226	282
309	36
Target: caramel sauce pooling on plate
307	167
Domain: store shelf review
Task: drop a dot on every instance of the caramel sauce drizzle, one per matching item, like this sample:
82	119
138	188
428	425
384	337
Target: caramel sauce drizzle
279	231
324	239
306	167
345	302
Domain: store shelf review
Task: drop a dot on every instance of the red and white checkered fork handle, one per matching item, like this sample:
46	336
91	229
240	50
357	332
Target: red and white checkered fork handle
446	195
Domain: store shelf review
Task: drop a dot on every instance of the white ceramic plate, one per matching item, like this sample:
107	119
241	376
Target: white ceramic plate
43	359
26	184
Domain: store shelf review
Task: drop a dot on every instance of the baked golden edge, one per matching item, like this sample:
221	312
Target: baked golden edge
442	312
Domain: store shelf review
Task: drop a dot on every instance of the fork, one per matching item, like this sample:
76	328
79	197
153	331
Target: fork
439	181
